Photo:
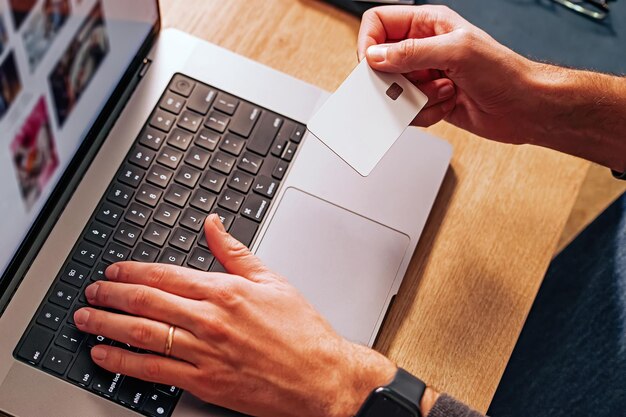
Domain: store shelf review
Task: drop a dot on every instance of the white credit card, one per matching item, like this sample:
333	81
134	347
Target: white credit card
366	115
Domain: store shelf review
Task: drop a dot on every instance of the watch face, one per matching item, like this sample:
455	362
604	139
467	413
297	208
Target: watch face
383	404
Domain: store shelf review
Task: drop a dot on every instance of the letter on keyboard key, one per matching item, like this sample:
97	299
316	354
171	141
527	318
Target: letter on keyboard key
158	404
84	368
133	392
35	345
51	316
106	383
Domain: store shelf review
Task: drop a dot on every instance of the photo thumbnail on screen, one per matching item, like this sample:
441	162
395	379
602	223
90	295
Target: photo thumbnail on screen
34	154
10	84
79	64
43	28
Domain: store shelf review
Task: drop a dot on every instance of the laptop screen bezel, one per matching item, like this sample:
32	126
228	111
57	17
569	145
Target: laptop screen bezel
17	268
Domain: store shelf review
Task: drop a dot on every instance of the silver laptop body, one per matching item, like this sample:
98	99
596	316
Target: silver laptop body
355	235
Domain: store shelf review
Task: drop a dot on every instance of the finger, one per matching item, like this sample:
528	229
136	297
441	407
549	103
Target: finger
437	91
413	54
422	76
146	367
144	301
434	114
232	254
137	331
185	282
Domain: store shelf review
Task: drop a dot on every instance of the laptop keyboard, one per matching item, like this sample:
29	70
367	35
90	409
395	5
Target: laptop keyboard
202	151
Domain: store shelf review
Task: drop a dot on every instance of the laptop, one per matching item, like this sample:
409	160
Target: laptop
118	139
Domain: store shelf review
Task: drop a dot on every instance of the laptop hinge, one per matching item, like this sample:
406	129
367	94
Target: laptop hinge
145	66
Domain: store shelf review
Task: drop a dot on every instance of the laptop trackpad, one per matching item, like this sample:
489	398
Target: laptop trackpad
343	263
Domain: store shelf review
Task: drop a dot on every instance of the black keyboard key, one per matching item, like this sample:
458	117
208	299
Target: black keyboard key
156	234
241	181
70	317
159	176
106	383
182	239
98	233
120	194
231	200
158	404
170	157
109	214
167	389
226	103
69	338
243	230
213	181
203	200
207	139
280	169
152	138
255	207
202	240
265	186
298	134
201	99
223	163
141	156
94	340
35	344
83	369
75	274
130	175
197	157
182	85
162	120
149	195
172	102
179	139
190	121
98	272
134	392
145	253
138	214
225	217
244	119
250	163
116	253
192	219
127	234
200	259
51	316
290	151
217	121
218	267
167	214
57	360
187	176
232	144
172	257
279	147
263	137
177	195
86	254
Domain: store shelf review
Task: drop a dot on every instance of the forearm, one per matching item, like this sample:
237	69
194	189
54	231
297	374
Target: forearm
581	113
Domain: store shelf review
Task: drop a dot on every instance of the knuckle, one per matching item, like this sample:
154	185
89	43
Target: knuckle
152	369
140	335
158	274
139	300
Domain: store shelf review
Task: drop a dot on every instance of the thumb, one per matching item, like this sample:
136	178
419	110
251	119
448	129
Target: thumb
231	253
411	55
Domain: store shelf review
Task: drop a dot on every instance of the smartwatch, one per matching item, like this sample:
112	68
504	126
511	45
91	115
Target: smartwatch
401	398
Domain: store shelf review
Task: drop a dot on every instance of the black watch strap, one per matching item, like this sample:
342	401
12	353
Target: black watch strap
619	175
409	387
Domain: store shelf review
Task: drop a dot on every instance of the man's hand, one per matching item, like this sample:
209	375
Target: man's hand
247	341
500	95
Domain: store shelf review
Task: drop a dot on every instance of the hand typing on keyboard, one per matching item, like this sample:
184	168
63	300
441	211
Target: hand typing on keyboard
245	340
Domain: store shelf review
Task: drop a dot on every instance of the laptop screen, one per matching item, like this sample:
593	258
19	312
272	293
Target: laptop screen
60	60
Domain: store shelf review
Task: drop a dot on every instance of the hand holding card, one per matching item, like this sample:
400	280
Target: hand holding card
366	115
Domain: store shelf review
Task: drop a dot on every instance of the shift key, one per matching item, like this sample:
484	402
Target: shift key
263	137
244	119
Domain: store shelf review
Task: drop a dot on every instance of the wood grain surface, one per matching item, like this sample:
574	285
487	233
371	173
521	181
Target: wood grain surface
494	227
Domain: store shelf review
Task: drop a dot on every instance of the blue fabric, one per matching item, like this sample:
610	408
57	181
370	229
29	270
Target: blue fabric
570	359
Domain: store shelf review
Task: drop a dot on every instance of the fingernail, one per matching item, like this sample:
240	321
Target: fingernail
377	53
81	317
112	271
98	353
91	291
445	91
218	223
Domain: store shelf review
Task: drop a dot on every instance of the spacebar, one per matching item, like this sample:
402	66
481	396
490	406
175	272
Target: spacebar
243	230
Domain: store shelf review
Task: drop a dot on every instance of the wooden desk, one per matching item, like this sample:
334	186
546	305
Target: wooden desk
492	232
